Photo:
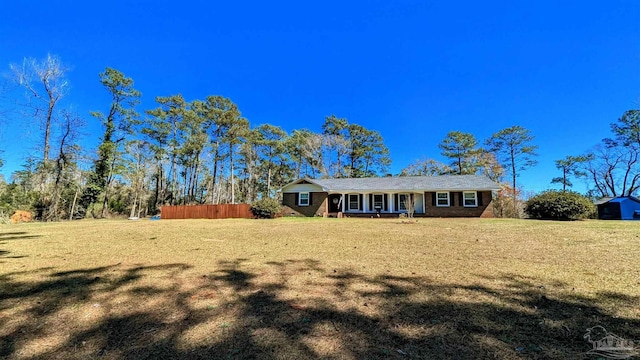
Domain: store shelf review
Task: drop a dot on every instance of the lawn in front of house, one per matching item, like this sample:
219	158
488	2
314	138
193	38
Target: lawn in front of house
315	288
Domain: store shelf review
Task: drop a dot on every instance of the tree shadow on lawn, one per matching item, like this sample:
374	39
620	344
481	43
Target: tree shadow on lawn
5	255
17	235
293	310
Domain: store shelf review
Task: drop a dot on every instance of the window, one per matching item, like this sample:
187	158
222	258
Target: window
403	202
303	199
442	199
470	198
377	202
354	202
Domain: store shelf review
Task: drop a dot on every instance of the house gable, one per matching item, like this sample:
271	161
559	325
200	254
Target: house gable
298	188
302	185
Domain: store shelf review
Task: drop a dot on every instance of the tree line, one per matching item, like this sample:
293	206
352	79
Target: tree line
205	151
179	152
610	168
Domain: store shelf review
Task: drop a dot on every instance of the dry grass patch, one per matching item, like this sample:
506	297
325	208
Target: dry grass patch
315	288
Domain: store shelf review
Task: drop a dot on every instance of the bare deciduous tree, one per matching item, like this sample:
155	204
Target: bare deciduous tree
425	167
138	166
45	83
613	168
67	154
409	202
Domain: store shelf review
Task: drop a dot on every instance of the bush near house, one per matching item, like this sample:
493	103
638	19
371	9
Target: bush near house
266	208
559	205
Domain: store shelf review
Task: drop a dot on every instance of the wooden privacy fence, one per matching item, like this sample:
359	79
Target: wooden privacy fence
224	211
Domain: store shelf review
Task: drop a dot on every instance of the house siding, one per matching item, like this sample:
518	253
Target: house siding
304	187
317	207
455	209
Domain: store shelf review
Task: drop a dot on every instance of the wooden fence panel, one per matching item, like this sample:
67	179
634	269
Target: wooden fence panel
223	211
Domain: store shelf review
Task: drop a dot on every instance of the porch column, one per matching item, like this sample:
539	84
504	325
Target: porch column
326	206
342	202
365	202
391	202
424	203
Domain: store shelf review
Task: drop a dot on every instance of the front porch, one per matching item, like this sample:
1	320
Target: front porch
386	215
377	204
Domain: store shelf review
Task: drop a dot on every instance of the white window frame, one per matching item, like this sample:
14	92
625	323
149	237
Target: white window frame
402	205
438	199
300	202
373	206
475	198
357	202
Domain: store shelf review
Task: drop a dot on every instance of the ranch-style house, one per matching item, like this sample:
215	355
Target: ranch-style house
431	196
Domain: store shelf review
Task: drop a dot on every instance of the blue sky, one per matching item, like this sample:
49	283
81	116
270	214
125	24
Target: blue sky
413	70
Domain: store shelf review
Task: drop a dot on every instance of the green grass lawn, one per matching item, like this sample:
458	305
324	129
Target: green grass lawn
316	288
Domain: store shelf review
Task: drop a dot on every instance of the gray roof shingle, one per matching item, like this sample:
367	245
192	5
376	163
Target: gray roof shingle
418	183
604	200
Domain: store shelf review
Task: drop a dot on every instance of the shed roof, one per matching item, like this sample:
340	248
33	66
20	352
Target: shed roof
406	183
603	200
624	198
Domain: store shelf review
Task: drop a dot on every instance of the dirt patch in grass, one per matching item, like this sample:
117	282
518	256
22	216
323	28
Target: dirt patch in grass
315	288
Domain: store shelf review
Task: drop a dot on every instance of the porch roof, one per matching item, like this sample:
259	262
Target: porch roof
405	183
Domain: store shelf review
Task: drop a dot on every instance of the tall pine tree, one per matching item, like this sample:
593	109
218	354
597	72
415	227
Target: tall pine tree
118	123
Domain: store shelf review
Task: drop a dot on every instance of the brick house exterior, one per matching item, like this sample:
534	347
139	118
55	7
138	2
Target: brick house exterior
317	206
431	196
457	209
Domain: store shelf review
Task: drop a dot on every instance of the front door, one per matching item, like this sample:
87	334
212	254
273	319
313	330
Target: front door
335	204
